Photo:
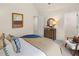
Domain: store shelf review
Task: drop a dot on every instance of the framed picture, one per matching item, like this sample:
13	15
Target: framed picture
17	20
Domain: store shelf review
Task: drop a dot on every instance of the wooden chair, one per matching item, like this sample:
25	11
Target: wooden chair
73	43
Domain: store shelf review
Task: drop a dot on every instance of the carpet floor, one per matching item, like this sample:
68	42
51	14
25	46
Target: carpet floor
65	51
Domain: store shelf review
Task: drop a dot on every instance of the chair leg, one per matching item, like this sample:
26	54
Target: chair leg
75	49
75	53
65	44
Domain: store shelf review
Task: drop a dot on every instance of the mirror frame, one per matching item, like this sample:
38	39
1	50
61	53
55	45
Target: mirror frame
48	21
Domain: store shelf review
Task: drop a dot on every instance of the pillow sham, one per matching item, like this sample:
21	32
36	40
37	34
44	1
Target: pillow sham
76	39
14	45
9	38
1	40
17	43
2	53
8	49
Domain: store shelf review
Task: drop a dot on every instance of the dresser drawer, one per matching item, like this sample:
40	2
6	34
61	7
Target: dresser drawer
50	33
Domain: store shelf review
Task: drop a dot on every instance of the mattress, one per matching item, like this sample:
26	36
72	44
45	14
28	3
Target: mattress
28	50
48	46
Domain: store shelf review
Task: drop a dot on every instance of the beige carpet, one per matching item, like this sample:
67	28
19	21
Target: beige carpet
65	51
48	46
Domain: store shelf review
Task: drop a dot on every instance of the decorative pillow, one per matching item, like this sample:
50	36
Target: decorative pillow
8	49
31	36
1	40
9	37
76	39
17	43
2	53
14	45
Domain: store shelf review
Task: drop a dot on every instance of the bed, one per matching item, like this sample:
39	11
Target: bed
29	50
34	46
48	46
26	49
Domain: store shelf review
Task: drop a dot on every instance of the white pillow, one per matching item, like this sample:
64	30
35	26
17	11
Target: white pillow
14	46
9	49
2	53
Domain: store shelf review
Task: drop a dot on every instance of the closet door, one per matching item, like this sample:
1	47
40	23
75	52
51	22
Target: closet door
70	21
35	24
78	23
39	25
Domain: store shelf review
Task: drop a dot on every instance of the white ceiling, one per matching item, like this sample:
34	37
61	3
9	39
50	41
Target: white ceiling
44	7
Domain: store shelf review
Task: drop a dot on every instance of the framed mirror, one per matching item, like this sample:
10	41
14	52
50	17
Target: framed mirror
51	22
17	20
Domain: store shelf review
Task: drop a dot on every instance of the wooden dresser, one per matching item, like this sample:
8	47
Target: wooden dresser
50	33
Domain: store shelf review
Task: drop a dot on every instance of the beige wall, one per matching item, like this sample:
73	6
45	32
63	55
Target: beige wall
60	25
6	11
67	23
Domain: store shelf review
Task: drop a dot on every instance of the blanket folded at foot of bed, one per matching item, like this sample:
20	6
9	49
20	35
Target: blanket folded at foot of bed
48	46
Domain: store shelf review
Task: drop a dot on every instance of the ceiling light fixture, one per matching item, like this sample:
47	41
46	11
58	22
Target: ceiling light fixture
49	3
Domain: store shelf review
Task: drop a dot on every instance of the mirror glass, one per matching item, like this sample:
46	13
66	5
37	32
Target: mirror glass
51	22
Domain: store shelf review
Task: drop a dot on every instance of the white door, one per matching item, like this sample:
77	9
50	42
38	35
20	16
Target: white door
35	24
78	23
70	22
